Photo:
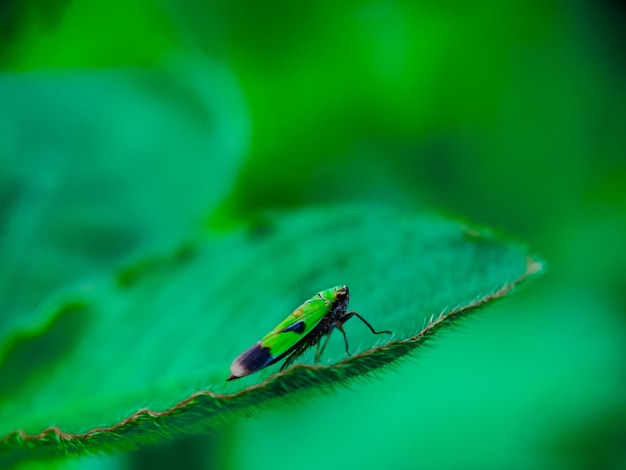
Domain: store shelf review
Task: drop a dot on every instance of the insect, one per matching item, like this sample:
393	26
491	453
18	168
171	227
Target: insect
304	328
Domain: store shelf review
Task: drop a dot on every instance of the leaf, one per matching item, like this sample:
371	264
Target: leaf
143	358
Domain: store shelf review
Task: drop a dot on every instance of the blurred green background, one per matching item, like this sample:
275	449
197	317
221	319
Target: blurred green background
124	124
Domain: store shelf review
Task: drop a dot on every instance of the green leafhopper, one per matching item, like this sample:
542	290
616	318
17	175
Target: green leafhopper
305	327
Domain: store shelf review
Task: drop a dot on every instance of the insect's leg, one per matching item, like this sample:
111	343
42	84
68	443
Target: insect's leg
287	362
345	338
319	353
351	314
291	358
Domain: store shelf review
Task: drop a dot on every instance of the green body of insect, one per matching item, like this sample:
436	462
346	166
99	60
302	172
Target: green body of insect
304	328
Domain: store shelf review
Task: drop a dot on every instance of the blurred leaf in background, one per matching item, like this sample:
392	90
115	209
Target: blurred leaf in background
124	126
101	165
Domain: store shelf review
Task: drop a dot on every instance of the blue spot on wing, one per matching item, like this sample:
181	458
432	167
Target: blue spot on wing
255	358
258	357
297	327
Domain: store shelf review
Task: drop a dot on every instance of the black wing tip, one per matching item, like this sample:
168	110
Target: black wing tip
233	377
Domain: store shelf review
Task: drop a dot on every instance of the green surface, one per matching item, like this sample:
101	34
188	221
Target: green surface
136	135
162	330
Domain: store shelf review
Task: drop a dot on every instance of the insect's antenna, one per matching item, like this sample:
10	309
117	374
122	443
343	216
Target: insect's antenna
351	314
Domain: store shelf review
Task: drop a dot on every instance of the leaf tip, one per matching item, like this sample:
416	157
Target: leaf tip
534	266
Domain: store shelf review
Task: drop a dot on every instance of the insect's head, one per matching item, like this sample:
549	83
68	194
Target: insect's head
342	298
343	293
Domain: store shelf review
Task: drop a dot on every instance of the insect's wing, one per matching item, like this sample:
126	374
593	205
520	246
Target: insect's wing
296	326
273	346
